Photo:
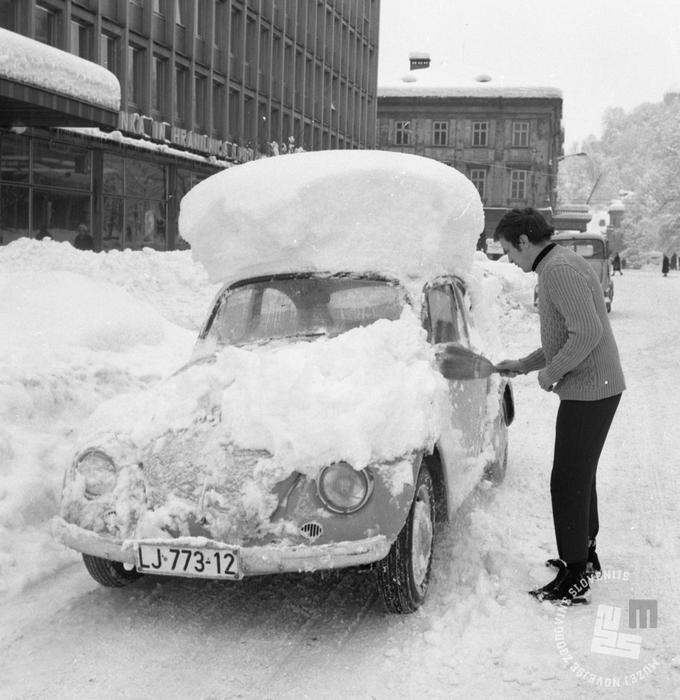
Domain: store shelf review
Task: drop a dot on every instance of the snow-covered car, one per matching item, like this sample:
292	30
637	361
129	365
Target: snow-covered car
313	428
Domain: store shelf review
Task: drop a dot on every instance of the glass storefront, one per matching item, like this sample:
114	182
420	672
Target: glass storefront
60	188
55	195
135	202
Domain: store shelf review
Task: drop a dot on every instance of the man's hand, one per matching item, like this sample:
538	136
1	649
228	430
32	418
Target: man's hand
509	368
544	382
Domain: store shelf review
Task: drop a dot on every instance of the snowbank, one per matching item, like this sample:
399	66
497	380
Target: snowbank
392	213
78	328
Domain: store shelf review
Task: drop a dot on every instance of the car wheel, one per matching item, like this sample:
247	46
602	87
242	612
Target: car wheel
404	574
609	306
109	573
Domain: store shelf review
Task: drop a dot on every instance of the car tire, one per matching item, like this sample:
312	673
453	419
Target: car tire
106	572
404	574
609	306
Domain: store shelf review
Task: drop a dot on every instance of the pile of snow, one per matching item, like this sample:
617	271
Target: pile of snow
34	63
393	213
78	328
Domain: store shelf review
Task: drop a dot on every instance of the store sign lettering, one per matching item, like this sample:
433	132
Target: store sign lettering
141	125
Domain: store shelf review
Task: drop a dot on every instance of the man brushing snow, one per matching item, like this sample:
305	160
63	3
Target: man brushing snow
579	361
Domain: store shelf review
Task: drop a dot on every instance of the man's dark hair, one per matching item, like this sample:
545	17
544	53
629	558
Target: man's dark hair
525	221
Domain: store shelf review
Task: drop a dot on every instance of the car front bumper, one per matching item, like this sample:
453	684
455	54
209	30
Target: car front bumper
267	559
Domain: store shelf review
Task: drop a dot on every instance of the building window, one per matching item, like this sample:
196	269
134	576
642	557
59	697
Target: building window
520	134
218	109
480	133
440	133
181	12
518	184
135	77
9	15
110	53
478	178
47	26
81	40
159	76
202	13
200	102
402	133
234	114
181	90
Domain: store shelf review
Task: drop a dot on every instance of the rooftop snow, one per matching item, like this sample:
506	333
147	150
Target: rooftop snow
377	211
450	80
36	64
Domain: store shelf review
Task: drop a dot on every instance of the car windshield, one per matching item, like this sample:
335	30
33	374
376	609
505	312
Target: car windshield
301	306
592	248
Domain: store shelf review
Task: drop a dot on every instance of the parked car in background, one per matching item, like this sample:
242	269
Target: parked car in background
593	248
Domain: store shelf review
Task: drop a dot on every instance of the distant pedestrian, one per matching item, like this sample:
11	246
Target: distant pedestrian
578	360
616	264
665	265
674	262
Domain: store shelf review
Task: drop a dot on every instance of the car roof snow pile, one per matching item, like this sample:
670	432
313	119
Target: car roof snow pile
362	211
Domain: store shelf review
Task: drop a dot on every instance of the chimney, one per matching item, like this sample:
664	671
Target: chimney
419	60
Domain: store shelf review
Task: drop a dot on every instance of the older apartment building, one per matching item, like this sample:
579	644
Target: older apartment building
205	84
506	136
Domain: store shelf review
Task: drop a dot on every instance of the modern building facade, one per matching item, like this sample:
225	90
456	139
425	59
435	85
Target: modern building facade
505	136
205	84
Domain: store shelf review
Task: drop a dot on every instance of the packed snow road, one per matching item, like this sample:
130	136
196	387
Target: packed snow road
478	635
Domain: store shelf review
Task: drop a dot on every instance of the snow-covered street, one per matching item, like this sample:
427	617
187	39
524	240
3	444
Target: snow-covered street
479	635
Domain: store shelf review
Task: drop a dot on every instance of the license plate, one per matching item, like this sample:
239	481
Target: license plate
197	562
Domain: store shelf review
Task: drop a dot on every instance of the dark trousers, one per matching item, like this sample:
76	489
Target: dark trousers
580	434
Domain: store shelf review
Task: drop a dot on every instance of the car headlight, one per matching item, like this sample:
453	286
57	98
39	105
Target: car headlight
344	489
98	470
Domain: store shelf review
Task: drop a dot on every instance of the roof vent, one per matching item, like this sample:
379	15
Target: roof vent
419	60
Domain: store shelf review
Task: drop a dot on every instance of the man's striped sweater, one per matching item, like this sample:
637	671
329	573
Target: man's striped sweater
578	351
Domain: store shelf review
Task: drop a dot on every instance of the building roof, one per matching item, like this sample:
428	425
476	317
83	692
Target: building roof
454	80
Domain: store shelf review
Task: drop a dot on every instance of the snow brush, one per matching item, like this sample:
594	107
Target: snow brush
458	362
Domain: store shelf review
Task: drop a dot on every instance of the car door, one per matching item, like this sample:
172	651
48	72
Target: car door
460	445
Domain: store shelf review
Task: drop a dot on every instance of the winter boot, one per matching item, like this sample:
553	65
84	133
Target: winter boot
593	567
569	587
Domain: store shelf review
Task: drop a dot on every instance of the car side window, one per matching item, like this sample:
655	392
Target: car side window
463	307
443	319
